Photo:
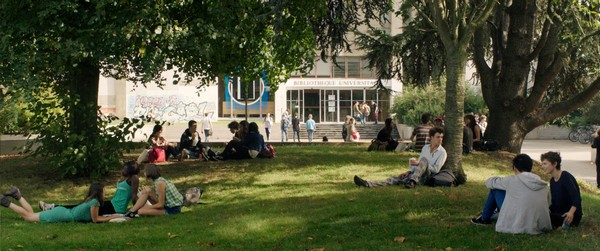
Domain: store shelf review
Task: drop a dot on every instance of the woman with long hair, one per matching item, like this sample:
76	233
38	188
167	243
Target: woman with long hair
385	135
87	211
156	140
477	135
163	195
127	188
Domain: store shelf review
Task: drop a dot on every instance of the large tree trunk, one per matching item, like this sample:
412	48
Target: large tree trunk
508	129
455	102
83	84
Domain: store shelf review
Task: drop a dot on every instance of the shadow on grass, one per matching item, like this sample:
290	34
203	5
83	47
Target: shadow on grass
303	199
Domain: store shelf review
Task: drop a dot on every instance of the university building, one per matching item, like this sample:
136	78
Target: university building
327	92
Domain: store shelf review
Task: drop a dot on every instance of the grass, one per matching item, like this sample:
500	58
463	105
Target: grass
302	200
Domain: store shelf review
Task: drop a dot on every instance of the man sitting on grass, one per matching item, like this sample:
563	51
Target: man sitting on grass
521	199
432	158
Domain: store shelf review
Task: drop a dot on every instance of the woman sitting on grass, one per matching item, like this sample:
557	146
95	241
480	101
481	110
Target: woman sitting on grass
156	140
87	211
164	196
565	209
127	188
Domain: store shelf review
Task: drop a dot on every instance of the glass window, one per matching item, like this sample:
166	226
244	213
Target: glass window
353	67
339	70
357	95
366	72
323	69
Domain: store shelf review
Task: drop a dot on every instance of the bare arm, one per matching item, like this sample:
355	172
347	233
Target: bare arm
99	218
160	194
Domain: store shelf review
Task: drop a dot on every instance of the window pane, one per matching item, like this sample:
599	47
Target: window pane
366	72
354	67
357	95
339	70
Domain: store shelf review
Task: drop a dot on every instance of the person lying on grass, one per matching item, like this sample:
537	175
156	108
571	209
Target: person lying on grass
432	158
521	199
87	211
164	196
566	209
127	188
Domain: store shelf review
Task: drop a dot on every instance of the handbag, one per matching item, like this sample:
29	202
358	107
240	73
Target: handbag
157	154
377	145
210	132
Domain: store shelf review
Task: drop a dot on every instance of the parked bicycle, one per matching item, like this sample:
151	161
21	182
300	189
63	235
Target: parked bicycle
583	134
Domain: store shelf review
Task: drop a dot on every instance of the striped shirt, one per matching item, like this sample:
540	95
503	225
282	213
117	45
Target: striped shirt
421	134
172	197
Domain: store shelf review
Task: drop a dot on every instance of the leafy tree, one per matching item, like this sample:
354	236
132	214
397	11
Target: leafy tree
67	44
536	60
451	25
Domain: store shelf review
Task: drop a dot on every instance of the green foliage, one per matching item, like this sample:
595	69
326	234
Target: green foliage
289	203
415	101
585	115
430	98
14	117
85	155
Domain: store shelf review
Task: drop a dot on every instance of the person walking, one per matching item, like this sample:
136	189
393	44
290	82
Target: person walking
268	125
296	127
596	144
285	125
310	127
207	126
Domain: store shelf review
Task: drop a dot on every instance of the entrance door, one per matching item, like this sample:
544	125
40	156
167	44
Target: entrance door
311	104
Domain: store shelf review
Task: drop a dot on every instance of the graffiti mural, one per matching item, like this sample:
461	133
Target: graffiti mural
168	108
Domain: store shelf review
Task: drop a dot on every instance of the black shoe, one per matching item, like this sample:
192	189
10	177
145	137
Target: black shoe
360	182
479	221
4	201
13	192
410	184
132	215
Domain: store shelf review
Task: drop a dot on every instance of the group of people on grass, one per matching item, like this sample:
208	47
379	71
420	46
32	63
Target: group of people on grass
520	202
162	198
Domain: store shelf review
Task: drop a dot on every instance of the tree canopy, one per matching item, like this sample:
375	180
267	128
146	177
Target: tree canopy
536	60
66	44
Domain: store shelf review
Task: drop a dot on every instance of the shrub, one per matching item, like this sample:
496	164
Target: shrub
418	100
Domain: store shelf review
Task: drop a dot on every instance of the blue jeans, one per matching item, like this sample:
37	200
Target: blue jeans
206	132
310	135
362	118
494	201
284	135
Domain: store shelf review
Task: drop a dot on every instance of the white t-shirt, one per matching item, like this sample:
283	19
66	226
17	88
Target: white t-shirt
206	123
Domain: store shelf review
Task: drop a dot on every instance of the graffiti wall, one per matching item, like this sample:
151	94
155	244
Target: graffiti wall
172	103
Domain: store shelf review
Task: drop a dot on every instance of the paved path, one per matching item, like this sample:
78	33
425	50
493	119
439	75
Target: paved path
577	158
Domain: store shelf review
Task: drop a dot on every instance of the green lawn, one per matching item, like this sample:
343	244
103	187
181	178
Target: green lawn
302	200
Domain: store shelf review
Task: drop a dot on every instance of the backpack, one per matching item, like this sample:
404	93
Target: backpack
192	195
267	152
445	178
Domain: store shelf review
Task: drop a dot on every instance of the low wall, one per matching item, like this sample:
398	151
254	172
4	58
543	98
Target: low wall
549	132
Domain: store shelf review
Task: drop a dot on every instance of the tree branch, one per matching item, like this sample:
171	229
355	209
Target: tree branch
543	79
423	15
541	42
442	26
479	18
565	107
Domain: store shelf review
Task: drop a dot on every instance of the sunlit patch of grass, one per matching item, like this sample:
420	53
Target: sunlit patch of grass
303	199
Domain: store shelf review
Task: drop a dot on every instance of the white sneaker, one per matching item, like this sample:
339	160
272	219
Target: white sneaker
45	206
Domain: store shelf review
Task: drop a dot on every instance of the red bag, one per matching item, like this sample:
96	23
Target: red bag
156	155
269	152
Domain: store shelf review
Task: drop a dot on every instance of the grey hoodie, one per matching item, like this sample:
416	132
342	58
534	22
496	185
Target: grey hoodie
526	206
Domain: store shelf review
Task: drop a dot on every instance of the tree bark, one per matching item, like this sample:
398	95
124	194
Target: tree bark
83	111
455	101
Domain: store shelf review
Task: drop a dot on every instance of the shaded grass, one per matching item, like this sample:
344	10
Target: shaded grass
302	200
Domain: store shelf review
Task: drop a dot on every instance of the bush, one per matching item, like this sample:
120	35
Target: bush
14	115
416	101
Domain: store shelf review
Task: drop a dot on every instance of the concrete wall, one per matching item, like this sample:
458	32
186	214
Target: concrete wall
549	132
